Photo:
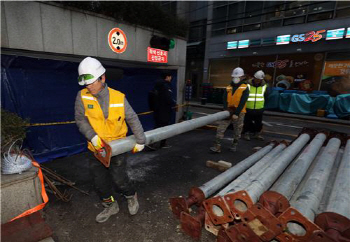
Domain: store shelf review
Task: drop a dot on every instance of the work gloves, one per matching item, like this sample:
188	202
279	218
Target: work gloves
97	142
138	148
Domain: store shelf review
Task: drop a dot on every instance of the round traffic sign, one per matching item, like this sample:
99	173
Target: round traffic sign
117	40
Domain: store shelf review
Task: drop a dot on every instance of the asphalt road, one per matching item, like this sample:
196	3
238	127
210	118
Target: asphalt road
158	175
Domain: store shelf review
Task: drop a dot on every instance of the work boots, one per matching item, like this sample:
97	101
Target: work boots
246	136
111	207
234	145
133	204
216	148
258	136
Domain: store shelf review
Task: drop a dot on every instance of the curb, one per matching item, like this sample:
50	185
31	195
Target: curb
280	114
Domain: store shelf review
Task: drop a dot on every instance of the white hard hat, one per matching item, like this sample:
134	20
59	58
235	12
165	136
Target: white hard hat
237	72
259	75
89	70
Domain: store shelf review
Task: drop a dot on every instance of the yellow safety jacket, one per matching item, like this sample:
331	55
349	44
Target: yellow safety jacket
233	100
112	128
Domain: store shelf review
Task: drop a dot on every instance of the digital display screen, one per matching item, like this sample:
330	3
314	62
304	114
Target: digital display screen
232	45
335	34
243	44
283	39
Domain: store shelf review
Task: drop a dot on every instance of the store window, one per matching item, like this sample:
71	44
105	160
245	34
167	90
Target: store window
220	71
302	71
336	73
252	64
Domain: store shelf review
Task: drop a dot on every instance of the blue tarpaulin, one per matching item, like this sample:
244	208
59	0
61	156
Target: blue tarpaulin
342	105
304	103
44	91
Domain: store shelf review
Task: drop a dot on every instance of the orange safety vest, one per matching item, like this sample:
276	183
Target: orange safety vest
112	128
233	100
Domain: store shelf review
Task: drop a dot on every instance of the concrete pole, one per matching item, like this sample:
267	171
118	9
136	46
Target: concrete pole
219	181
339	200
272	172
289	181
245	179
127	144
309	198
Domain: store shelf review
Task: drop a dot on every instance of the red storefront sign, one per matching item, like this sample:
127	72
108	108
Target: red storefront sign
157	55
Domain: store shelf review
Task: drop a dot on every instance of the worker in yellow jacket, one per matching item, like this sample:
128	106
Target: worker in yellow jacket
101	113
235	98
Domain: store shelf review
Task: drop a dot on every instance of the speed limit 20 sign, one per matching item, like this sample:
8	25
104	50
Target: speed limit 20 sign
117	40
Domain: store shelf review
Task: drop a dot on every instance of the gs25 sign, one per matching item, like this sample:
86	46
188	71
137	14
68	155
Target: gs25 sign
310	36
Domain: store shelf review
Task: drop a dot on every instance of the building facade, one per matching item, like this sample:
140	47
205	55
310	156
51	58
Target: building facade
304	43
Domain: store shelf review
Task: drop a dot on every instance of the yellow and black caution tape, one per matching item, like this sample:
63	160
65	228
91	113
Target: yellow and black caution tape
73	122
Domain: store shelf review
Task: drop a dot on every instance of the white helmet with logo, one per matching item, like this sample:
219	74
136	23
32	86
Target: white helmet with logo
90	70
237	72
259	75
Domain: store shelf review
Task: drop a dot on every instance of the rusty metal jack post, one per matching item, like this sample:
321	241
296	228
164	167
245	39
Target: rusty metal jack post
212	228
192	225
259	222
238	203
182	204
291	215
218	210
237	233
335	226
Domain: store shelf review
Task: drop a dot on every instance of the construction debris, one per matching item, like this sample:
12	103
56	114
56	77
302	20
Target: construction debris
219	165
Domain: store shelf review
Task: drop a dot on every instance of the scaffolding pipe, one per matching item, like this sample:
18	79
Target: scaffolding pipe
292	177
339	199
219	181
243	181
330	183
121	146
272	172
309	198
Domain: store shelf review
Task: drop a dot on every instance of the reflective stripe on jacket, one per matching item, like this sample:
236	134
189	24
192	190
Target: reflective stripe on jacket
233	100
256	98
112	128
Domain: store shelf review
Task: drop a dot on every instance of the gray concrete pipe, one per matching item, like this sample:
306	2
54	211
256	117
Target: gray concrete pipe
291	178
308	200
272	172
221	180
124	145
243	181
339	199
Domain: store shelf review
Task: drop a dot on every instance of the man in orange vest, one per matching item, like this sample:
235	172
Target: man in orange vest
101	113
235	98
